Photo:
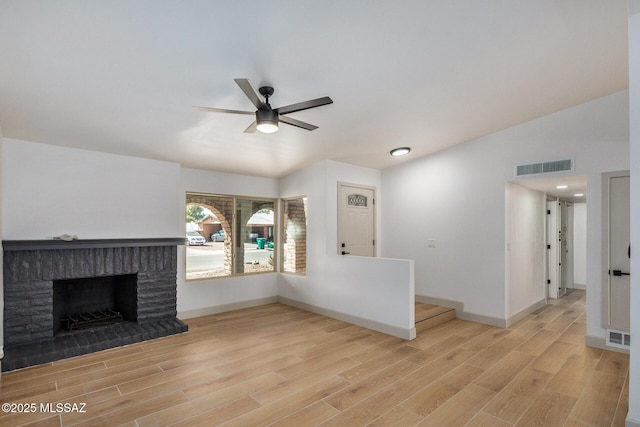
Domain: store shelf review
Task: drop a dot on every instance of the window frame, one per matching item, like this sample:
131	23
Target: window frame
232	225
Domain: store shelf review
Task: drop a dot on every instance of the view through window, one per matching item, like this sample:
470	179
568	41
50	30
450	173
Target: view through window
228	235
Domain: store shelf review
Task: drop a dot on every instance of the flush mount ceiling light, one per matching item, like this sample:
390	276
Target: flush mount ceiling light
578	195
400	151
562	187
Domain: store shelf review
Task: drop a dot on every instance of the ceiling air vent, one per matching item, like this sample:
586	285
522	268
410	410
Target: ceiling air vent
544	167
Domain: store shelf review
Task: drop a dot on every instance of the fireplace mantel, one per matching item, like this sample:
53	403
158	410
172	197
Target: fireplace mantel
53	244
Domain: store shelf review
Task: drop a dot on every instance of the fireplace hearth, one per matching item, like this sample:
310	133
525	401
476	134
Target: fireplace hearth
64	299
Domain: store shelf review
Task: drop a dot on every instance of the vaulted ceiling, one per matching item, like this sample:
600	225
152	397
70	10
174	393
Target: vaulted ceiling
121	76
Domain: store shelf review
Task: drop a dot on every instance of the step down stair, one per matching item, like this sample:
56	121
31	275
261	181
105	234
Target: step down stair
429	316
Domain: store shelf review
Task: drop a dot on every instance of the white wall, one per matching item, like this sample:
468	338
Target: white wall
50	190
456	197
524	248
633	417
201	297
47	191
579	245
372	292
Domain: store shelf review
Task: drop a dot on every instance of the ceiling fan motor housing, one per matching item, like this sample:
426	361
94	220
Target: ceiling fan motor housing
267	121
267	116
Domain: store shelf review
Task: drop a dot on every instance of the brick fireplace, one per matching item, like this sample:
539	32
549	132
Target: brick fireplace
46	282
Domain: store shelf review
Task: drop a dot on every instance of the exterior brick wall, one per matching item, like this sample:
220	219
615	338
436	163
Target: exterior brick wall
295	244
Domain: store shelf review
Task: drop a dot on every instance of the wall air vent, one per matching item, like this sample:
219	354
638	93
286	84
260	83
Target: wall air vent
545	167
618	339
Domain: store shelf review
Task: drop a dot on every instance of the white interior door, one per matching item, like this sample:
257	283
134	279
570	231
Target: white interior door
356	226
562	247
619	253
553	249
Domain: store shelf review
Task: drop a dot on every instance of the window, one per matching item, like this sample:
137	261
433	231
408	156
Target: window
294	235
238	234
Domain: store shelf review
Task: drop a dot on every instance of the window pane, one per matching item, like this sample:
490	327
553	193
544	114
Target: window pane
208	245
294	221
254	235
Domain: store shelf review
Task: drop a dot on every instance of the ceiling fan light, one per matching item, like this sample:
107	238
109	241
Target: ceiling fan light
267	127
400	151
266	121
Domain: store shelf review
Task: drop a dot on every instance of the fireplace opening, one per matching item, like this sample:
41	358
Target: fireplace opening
90	302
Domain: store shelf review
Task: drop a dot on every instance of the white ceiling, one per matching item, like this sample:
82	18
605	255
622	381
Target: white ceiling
121	76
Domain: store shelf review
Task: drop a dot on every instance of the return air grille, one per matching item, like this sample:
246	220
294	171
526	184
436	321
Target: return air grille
544	167
618	339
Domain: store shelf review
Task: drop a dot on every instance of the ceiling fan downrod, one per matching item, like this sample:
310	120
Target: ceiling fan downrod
266	91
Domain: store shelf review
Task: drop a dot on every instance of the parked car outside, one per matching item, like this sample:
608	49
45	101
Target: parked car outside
218	236
194	238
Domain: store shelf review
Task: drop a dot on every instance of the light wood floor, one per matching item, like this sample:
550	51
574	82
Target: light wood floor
277	365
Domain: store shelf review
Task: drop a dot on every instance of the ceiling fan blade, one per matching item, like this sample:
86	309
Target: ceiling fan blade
251	92
222	110
304	105
252	128
297	123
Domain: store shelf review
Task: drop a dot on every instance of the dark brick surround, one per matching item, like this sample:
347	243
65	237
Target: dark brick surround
29	272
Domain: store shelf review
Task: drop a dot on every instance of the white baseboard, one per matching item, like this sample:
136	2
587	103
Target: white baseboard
406	334
189	314
460	313
479	318
579	286
523	313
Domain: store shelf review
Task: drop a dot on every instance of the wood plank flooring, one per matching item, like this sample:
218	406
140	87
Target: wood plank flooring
276	365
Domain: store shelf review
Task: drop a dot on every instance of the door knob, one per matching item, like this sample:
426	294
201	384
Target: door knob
618	273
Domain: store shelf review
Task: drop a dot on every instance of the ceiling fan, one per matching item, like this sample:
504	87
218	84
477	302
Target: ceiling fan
267	118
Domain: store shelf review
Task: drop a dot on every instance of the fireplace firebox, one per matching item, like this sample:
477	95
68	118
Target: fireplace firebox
89	302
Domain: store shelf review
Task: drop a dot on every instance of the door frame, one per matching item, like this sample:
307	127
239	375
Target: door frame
375	216
606	245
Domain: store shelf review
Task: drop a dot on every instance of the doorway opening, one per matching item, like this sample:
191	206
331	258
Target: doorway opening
562	233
